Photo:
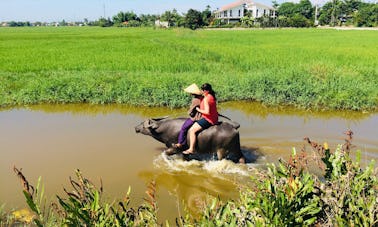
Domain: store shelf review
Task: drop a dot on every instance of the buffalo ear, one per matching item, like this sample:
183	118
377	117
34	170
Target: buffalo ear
151	123
154	125
146	123
159	118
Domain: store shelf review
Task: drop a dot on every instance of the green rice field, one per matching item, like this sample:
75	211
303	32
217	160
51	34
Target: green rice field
306	68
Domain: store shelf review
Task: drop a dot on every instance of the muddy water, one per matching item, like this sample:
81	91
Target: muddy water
52	141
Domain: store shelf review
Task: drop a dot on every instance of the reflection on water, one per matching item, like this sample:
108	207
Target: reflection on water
93	110
53	140
262	111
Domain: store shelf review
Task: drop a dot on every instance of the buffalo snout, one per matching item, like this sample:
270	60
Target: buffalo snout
139	128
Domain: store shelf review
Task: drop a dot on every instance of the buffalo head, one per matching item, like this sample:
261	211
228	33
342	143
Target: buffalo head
148	126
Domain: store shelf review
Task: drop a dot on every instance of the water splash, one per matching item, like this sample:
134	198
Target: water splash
217	168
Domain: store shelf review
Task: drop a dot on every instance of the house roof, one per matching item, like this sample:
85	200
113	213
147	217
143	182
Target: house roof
259	4
248	3
234	4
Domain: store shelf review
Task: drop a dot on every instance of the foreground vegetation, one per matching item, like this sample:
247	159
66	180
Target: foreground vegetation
307	68
286	194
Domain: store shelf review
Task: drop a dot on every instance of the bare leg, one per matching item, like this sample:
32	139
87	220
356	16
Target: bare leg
192	137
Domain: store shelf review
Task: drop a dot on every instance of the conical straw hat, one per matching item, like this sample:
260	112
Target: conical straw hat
193	89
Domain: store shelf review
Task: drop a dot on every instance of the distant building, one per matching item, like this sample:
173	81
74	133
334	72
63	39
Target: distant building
161	24
233	12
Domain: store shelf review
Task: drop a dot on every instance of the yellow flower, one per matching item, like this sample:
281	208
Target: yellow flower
23	215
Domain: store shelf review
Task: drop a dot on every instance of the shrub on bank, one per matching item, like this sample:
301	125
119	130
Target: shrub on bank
288	195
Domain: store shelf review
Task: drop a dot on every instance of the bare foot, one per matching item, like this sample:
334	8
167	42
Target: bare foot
242	160
170	151
177	145
188	151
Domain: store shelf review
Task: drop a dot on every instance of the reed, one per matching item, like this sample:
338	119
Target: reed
306	68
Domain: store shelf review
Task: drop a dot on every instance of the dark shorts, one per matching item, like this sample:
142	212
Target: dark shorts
204	123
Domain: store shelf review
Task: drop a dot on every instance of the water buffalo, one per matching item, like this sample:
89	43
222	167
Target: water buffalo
219	141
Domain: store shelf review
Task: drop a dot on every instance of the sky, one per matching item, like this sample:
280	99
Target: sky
77	10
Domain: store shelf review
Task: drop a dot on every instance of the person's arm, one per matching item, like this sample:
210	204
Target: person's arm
192	110
193	105
206	106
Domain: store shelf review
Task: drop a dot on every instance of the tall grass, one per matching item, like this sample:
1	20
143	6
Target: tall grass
307	68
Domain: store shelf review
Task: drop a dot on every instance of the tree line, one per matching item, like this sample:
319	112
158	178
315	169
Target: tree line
193	19
332	13
288	14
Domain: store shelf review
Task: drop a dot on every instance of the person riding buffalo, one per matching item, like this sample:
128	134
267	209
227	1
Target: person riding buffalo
208	109
194	115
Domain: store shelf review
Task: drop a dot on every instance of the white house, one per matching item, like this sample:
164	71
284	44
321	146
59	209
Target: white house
161	24
233	12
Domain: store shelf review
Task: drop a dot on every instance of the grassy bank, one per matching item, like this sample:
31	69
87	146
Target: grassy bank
307	68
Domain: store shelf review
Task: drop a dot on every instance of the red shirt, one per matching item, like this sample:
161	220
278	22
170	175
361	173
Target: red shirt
212	117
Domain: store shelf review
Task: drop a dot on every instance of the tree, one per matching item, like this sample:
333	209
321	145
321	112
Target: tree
172	17
207	16
147	19
304	7
247	21
103	22
333	13
193	19
325	14
265	21
63	23
295	15
275	4
275	7
367	15
298	20
122	17
351	6
287	9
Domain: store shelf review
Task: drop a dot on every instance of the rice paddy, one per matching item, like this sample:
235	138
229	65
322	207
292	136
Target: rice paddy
305	68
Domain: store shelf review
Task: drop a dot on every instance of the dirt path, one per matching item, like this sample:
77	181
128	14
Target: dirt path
348	28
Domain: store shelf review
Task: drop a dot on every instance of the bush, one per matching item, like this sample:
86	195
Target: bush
84	206
288	195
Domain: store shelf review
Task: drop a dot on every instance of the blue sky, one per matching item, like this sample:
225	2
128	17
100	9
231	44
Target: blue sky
75	10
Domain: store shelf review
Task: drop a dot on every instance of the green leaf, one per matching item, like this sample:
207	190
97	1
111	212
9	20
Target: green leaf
30	202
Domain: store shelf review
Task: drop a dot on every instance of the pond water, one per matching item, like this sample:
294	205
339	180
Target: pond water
52	141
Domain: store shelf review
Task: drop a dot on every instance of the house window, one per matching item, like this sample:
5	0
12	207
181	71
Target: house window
225	13
257	13
239	13
230	13
264	12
